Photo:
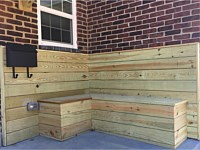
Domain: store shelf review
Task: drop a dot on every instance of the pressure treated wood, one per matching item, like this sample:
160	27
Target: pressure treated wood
165	72
58	74
153	120
63	117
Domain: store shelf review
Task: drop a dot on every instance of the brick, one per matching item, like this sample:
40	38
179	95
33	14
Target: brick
2	7
191	29
172	32
196	35
182	14
15	22
166	6
165	28
105	42
151	30
173	43
191	18
182	36
182	25
5	14
150	10
173	21
148	1
191	6
135	33
142	37
116	40
157	13
2	31
117	31
14	33
13	10
111	37
6	38
181	3
30	25
163	39
124	16
22	40
118	22
173	10
6	26
144	26
191	40
166	17
122	7
161	2
142	7
123	44
22	18
32	36
151	20
136	23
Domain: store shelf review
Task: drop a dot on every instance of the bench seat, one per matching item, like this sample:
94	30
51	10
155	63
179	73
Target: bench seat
160	121
64	117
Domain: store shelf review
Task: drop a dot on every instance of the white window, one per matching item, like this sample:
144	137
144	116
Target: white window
57	23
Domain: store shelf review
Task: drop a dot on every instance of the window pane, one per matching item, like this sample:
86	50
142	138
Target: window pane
55	21
66	24
67	7
45	18
66	37
46	3
56	34
46	33
57	4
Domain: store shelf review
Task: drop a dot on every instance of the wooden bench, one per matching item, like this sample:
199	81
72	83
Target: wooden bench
153	120
64	117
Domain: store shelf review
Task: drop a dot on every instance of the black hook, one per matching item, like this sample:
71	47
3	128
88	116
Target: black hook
15	76
28	74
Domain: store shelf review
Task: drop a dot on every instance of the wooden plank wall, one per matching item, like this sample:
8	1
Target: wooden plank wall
58	74
162	72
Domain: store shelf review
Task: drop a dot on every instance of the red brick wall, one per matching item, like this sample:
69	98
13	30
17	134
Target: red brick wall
132	24
17	26
82	31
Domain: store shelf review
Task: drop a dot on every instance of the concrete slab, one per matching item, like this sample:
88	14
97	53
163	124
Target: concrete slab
95	140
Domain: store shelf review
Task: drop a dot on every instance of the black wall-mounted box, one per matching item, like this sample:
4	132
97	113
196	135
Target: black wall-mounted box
18	55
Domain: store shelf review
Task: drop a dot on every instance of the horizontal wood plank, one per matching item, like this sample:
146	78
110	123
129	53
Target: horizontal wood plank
175	63
139	132
190	96
186	86
58	56
22	123
26	89
169	75
18	113
21	101
21	135
44	67
141	54
45	78
64	120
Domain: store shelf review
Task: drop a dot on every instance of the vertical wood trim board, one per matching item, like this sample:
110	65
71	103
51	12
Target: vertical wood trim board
3	110
198	90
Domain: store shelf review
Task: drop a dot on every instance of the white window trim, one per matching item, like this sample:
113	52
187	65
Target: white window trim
59	13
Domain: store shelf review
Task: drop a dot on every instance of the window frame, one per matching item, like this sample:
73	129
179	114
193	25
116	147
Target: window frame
61	14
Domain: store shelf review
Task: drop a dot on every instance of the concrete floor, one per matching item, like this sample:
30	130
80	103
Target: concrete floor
95	140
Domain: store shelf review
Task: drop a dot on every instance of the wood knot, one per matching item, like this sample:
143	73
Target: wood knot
138	109
84	76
